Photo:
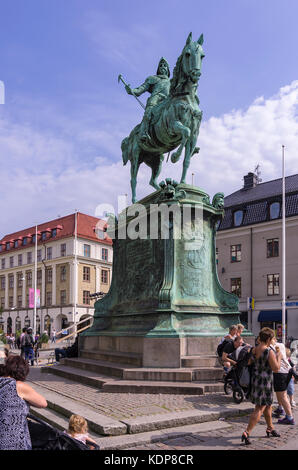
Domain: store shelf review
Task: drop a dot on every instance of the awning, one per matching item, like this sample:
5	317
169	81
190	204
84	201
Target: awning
271	315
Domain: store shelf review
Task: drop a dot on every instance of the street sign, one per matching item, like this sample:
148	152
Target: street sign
251	303
291	304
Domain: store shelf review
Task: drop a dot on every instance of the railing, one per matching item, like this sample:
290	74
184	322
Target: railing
70	335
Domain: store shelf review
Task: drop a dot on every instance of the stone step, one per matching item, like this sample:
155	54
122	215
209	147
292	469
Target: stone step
111	356
199	361
184	388
78	375
113	385
65	407
125	372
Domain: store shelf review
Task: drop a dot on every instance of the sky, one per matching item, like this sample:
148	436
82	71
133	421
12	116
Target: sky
65	114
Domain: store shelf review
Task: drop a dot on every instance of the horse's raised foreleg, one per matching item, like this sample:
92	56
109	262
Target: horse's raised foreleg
184	131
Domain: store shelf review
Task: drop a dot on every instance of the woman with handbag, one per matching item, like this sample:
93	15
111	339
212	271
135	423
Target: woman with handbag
264	362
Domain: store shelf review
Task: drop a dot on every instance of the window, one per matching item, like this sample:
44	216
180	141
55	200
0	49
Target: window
27	300
63	297
87	251
54	232
38	255
272	284
2	302
2	283
33	238
20	279
16	243
86	297
29	257
20	260
18	324
63	249
20	301
274	210
3	263
8	245
49	253
10	281
25	240
29	278
86	274
1	247
272	247
49	275
238	217
235	253
44	236
39	277
104	276
11	262
10	301
104	254
236	286
63	273
49	298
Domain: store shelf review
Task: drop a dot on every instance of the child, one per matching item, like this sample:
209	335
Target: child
78	429
291	386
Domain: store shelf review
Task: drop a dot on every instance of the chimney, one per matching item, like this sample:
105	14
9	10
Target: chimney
250	181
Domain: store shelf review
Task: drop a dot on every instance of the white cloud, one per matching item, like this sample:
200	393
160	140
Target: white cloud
46	173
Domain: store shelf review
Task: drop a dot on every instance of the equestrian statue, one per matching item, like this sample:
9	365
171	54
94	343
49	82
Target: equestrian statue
172	116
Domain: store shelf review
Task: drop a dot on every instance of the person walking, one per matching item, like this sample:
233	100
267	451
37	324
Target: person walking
53	336
28	343
15	398
22	342
280	385
264	362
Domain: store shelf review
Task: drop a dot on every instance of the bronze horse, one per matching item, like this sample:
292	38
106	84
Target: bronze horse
175	122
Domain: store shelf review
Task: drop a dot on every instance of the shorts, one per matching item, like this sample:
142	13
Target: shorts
280	382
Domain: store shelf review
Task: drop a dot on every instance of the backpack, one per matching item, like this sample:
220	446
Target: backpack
221	346
26	340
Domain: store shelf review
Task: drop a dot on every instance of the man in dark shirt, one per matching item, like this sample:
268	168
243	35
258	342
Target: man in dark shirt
71	351
229	348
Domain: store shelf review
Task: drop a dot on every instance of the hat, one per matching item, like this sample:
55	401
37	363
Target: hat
165	62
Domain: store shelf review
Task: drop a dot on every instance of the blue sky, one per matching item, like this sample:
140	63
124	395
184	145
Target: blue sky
65	114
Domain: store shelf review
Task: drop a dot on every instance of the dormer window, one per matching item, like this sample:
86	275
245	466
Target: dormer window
44	236
8	245
274	210
238	218
25	240
16	243
54	232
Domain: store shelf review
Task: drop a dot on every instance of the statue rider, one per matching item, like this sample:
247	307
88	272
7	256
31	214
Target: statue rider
158	86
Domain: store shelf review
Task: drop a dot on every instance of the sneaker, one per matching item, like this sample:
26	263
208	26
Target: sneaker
286	421
293	404
278	413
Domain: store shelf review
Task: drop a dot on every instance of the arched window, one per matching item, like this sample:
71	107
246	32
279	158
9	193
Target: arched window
38	324
274	210
47	324
9	325
18	324
238	218
27	321
1	324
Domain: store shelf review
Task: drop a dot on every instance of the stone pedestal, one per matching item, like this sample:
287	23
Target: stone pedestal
165	300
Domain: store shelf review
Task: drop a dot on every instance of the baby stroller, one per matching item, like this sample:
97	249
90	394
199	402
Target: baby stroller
237	380
46	437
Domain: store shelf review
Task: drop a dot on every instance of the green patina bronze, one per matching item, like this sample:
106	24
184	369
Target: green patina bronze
172	117
167	287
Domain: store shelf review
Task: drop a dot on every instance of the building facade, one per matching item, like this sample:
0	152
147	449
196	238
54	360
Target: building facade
249	252
74	260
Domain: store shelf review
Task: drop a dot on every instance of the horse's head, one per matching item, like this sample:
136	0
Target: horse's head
191	58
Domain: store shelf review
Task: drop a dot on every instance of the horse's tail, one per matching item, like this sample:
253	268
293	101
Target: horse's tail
124	148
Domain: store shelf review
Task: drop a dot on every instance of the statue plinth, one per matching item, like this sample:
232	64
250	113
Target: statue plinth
165	300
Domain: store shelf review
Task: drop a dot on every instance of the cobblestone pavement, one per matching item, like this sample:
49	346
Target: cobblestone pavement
230	438
128	405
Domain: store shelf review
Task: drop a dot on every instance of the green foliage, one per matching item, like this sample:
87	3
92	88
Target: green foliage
44	338
3	337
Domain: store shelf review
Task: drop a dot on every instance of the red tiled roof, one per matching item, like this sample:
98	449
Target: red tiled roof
86	225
